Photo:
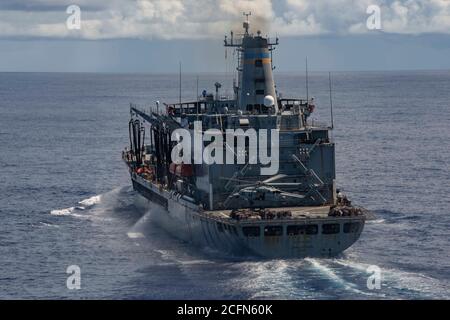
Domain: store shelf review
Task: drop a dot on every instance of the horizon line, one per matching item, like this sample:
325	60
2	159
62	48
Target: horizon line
224	73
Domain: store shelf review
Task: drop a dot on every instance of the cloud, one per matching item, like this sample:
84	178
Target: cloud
416	17
191	19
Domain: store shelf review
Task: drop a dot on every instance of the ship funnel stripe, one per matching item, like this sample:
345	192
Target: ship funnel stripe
252	61
256	55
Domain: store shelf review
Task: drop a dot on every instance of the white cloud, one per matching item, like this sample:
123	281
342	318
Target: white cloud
417	16
181	19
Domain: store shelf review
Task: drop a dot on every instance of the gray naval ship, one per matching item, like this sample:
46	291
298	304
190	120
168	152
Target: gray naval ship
293	213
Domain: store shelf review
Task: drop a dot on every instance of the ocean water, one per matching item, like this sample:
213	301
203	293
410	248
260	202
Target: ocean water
65	196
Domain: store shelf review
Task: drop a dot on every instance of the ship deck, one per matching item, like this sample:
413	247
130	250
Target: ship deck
296	212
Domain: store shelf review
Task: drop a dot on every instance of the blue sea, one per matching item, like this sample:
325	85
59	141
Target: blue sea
65	195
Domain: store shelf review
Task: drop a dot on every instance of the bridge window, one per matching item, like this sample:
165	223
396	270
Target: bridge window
260	91
331	228
258	63
251	231
271	231
351	227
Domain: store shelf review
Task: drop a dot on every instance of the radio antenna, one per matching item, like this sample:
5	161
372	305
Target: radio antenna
331	101
198	109
180	84
307	89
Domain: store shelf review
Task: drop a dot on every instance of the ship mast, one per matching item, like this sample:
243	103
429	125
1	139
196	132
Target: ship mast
247	24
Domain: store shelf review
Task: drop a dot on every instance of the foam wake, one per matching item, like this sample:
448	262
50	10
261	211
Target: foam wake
403	281
376	221
83	205
328	272
89	202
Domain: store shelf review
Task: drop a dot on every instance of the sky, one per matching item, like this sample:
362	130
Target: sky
155	35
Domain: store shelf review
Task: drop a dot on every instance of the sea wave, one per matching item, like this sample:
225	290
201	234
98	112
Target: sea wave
422	285
324	268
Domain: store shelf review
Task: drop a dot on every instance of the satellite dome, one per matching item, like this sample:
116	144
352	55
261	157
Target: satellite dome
269	101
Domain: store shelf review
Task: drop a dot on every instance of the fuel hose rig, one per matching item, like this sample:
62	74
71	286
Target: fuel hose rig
137	140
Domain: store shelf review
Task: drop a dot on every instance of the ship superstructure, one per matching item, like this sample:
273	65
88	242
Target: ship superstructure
285	207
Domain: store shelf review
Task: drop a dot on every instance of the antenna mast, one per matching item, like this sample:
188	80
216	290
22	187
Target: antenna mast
307	89
246	23
198	107
331	101
180	84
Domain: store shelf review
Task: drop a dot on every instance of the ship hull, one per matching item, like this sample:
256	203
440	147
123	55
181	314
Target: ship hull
187	223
